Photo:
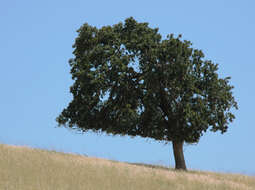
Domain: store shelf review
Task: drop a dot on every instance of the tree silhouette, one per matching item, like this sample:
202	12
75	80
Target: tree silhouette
128	81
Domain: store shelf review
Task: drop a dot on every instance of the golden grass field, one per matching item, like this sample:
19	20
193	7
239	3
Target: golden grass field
23	168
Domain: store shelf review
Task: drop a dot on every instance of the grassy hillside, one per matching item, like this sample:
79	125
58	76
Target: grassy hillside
24	168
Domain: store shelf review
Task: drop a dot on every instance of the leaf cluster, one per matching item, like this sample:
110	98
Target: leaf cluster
129	81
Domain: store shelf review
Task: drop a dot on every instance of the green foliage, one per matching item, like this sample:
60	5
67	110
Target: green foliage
129	81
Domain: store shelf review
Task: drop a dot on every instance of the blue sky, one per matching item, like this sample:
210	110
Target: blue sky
36	42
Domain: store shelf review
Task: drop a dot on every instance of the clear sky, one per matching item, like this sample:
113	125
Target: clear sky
36	40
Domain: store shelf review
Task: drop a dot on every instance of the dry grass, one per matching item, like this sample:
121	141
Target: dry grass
24	168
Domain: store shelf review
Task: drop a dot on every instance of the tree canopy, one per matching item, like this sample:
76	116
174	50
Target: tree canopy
130	81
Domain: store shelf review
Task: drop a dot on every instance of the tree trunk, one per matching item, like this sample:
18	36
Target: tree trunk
178	155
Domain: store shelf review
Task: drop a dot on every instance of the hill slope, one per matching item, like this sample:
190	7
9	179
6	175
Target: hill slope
24	168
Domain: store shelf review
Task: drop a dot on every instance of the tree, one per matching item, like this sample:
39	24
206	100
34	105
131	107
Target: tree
128	81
